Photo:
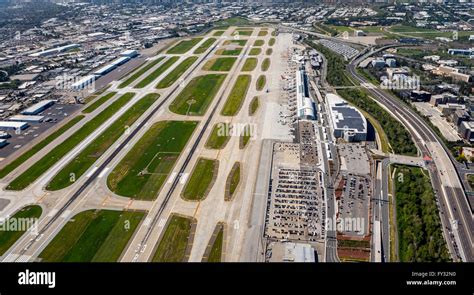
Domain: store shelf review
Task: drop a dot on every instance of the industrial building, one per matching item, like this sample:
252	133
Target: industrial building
113	65
84	82
348	122
304	102
293	252
11	125
38	107
27	118
55	50
129	53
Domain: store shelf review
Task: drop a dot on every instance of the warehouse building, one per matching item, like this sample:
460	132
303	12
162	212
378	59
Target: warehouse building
56	50
129	53
348	122
84	82
11	125
27	118
38	107
304	102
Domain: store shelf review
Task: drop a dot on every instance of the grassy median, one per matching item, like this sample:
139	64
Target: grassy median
233	180
255	51
142	172
174	240
219	136
176	73
51	158
10	236
235	42
156	73
215	254
140	71
93	236
100	101
265	64
184	46
250	64
271	42
198	94
201	180
205	45
261	81
221	64
254	104
233	52
237	96
259	42
87	157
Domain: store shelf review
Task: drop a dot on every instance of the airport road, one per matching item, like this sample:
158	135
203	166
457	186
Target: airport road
443	174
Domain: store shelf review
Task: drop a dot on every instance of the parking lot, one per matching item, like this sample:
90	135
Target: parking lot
339	48
354	189
295	209
52	116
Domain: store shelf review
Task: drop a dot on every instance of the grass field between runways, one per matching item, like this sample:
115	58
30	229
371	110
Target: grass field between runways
156	73
142	172
27	216
176	73
87	157
184	46
93	236
140	71
250	64
205	45
198	94
201	180
237	96
174	240
221	64
219	136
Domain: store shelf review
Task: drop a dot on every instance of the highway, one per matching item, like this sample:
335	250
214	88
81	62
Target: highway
454	206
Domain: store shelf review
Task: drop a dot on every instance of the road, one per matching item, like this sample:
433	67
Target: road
454	205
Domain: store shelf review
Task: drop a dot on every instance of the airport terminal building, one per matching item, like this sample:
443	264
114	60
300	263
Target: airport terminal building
347	121
304	102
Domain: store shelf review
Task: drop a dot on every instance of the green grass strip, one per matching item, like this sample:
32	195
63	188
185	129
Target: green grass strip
140	71
236	96
201	180
93	236
10	236
98	103
198	94
205	45
142	172
156	73
174	240
176	73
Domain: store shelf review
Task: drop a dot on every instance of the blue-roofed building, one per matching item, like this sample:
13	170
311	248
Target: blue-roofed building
347	121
